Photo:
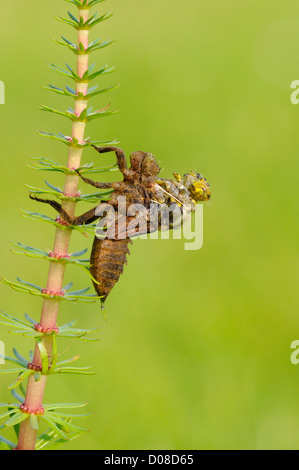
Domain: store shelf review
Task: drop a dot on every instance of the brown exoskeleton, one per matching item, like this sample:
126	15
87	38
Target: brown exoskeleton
140	185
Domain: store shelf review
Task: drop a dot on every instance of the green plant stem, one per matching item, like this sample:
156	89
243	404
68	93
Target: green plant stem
35	390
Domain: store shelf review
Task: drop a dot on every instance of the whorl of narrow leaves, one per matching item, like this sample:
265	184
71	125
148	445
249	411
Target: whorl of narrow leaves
60	426
85	4
86	77
79	96
85	116
80	23
45	164
58	192
61	429
80	49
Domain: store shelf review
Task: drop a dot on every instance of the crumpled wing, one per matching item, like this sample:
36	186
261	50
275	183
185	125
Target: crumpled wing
130	227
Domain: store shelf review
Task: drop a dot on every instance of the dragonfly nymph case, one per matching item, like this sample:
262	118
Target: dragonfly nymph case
142	185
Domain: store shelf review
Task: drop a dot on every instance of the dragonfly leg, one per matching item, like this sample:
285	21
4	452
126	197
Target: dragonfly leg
120	155
96	184
86	218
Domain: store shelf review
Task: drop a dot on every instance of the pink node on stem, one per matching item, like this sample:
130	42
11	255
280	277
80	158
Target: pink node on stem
23	408
57	256
41	329
51	293
34	367
72	195
39	411
61	221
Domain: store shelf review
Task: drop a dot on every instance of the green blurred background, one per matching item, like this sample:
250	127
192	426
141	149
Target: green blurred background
195	351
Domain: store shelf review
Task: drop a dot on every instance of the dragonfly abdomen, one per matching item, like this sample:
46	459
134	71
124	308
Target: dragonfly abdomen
107	261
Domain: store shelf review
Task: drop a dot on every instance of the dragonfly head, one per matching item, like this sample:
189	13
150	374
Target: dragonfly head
197	186
149	166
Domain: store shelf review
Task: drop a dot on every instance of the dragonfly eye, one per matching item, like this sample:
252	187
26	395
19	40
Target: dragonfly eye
196	189
200	190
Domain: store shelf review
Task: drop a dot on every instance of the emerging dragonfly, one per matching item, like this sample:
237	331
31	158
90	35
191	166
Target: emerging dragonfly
140	185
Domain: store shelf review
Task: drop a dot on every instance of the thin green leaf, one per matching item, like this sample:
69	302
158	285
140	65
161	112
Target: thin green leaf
22	390
69	427
73	17
94	2
34	422
55	428
9	413
29	284
19	356
14	361
9	405
6	444
44	439
50	440
79	416
68	361
12	371
74	370
33	322
16	419
57	406
55	444
54	355
20	379
13	319
44	356
17	396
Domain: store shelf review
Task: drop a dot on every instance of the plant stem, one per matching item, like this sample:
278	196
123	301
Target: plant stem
35	390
